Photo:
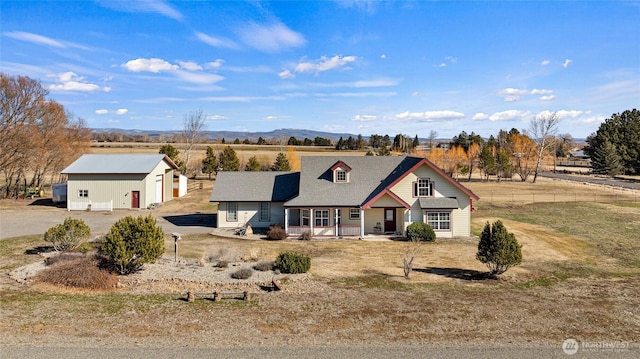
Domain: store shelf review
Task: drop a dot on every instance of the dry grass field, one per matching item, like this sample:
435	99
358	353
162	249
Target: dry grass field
580	278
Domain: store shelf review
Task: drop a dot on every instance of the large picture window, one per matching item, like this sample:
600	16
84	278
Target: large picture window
265	211
439	221
321	217
232	211
423	187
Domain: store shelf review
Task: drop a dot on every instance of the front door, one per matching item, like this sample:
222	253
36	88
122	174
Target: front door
389	219
135	199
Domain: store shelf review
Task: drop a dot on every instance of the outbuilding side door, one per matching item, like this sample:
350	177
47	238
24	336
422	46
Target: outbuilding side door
135	199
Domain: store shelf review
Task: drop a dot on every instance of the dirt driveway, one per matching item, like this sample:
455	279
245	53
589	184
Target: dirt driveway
33	217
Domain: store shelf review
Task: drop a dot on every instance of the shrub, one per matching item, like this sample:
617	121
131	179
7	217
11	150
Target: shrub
78	272
306	236
68	235
276	232
61	257
498	248
264	266
222	264
131	242
244	273
420	231
292	262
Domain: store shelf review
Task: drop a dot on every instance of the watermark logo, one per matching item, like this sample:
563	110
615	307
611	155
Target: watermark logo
570	346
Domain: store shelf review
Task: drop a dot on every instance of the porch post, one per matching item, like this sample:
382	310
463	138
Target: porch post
404	230
361	222
335	220
311	221
286	220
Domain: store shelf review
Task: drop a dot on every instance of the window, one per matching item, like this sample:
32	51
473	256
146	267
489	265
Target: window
83	193
439	220
321	217
354	213
265	212
423	187
304	220
232	211
341	176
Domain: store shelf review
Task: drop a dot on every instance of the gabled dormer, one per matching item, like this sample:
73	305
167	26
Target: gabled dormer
340	172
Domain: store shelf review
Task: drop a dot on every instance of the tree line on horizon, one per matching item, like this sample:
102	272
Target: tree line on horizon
40	138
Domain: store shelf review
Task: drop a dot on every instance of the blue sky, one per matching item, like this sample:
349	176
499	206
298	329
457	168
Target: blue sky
361	67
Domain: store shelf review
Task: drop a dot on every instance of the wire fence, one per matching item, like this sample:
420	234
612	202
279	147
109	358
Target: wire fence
539	197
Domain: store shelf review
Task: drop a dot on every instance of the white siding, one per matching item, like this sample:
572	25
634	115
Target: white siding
118	187
248	213
460	218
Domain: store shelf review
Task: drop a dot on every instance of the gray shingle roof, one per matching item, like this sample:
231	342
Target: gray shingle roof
368	176
255	186
116	164
438	203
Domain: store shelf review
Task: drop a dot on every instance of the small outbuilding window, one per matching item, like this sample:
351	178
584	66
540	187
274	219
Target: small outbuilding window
83	193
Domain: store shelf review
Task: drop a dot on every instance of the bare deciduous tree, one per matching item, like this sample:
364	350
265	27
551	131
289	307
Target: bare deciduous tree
541	129
411	250
192	132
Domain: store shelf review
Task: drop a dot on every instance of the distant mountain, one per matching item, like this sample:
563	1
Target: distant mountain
283	133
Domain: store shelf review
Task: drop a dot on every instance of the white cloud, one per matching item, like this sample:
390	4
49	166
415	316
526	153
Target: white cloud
215	117
364	118
69	81
383	56
42	40
376	83
513	94
199	78
566	63
594	119
190	65
564	114
102	111
214	64
429	115
152	6
270	118
121	111
35	38
451	59
286	74
154	65
541	92
325	64
270	38
545	63
480	116
510	115
216	41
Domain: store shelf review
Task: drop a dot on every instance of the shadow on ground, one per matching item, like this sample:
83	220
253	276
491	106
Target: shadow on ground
47	202
195	219
457	273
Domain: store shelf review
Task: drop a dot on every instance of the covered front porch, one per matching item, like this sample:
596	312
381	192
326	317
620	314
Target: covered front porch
346	221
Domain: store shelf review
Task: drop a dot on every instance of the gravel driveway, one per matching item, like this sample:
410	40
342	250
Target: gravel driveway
22	218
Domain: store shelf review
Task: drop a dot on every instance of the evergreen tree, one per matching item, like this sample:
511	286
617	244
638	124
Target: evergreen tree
281	163
228	160
210	162
487	161
252	165
416	142
384	151
622	131
605	160
173	154
261	141
498	249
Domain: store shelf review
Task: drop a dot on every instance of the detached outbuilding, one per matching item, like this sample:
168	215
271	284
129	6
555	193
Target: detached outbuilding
122	181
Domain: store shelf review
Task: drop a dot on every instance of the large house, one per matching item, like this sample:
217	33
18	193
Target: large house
346	196
107	181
